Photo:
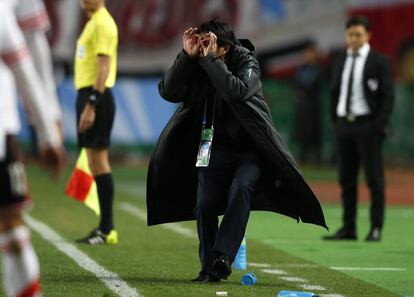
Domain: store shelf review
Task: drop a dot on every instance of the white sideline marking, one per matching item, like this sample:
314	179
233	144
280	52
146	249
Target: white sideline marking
294	279
313	287
298	265
110	279
181	230
260	265
139	213
299	280
369	268
274	271
135	211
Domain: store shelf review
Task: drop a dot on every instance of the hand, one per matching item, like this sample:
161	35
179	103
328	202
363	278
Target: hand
190	42
87	118
53	159
209	44
60	129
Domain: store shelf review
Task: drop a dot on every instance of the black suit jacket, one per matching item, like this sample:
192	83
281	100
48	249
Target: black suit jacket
378	87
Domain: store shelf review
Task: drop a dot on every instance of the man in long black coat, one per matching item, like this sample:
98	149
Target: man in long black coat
217	81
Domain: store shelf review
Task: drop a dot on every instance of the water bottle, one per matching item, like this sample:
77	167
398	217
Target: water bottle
249	279
286	293
240	262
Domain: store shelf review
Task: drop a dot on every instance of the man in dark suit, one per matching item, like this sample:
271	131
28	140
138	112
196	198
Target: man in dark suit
362	101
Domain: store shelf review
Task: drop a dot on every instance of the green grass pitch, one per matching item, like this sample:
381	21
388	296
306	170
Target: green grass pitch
156	261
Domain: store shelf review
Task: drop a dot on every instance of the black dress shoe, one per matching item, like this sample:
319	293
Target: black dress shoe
205	278
342	234
222	267
374	235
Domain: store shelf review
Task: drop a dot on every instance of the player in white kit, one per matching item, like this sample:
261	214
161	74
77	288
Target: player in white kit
34	22
20	265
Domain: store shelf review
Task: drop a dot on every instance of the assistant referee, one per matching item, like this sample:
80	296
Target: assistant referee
95	74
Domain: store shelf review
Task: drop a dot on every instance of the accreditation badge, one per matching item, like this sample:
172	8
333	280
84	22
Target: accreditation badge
204	150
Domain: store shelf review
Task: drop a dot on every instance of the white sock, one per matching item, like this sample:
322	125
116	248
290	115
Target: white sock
21	274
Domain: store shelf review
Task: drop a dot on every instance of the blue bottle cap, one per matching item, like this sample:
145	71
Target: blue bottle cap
249	279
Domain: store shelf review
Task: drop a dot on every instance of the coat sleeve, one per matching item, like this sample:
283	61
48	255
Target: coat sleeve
238	86
173	86
386	90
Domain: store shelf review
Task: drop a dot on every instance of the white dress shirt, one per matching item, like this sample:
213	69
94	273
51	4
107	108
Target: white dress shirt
358	104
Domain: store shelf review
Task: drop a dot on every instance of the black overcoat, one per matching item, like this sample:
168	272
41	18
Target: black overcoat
172	180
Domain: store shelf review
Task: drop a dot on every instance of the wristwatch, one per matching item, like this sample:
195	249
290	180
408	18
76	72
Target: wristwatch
94	97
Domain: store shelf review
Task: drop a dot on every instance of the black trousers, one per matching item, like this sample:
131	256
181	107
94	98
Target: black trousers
360	143
99	135
227	184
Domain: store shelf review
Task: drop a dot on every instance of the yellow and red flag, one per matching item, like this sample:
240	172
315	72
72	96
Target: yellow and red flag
81	185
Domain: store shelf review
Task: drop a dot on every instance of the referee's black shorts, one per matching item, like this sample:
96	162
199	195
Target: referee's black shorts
14	189
97	136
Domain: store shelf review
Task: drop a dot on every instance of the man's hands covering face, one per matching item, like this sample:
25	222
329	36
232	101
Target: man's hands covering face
195	44
208	44
191	42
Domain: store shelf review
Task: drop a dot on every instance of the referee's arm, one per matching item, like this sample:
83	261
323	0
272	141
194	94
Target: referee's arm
88	115
104	64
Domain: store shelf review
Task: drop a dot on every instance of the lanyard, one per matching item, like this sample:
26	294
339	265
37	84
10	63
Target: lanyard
205	111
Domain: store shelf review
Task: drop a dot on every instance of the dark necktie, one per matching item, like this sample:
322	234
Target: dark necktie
350	84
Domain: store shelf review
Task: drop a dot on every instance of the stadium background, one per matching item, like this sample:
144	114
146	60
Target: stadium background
150	38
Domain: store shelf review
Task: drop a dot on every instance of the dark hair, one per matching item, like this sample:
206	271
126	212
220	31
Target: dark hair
358	20
225	34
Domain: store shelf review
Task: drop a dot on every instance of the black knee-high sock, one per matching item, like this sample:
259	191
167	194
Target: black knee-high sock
105	187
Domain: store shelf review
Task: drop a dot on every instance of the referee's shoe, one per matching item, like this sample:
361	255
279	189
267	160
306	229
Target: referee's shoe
97	237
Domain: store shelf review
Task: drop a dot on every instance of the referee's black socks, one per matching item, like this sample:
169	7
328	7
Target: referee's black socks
105	187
